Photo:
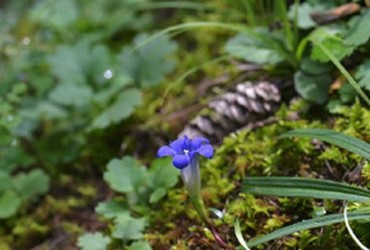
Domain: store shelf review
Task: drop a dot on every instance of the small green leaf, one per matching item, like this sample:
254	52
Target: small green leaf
46	109
312	80
304	10
35	182
164	176
9	203
140	245
71	94
93	241
308	224
349	143
149	63
120	109
126	175
110	209
347	93
105	96
49	12
337	46
359	29
128	228
157	195
303	187
67	63
363	74
253	49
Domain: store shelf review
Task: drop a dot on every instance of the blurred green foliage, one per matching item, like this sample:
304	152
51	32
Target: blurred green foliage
80	81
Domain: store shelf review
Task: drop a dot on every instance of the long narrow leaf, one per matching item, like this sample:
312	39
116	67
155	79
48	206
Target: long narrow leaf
192	25
303	187
239	235
309	224
340	67
336	138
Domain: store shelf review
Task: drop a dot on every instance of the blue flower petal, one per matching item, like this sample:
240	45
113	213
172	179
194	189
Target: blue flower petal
166	151
181	161
205	150
197	142
178	145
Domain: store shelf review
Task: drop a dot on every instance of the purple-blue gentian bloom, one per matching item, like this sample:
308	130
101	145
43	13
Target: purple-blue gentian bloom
183	150
185	154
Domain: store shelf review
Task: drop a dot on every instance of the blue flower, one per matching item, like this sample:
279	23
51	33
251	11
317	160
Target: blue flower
184	150
185	153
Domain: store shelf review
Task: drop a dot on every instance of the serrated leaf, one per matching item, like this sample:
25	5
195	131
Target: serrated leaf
347	93
140	245
122	108
349	143
249	48
128	228
66	63
93	241
104	96
126	175
337	46
49	12
148	64
110	209
163	176
9	203
71	95
35	182
163	173
363	74
48	110
157	195
98	62
359	29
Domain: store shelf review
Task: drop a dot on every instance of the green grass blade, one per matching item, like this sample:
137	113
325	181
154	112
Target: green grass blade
309	224
192	25
350	143
239	235
303	187
172	4
340	67
200	66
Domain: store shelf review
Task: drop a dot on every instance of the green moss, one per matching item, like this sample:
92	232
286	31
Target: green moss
261	152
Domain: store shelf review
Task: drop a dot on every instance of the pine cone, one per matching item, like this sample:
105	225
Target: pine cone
247	103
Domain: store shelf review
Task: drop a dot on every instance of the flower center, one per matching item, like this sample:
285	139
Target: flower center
186	151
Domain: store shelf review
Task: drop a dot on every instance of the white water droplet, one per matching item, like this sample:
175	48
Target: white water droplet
108	74
26	41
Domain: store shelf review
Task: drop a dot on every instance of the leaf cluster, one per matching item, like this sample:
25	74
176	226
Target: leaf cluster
141	188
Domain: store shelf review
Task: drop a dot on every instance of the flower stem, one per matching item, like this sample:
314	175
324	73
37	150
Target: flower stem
201	209
202	212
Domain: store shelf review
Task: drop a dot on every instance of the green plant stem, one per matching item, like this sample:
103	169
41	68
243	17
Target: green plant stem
201	210
251	16
281	7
